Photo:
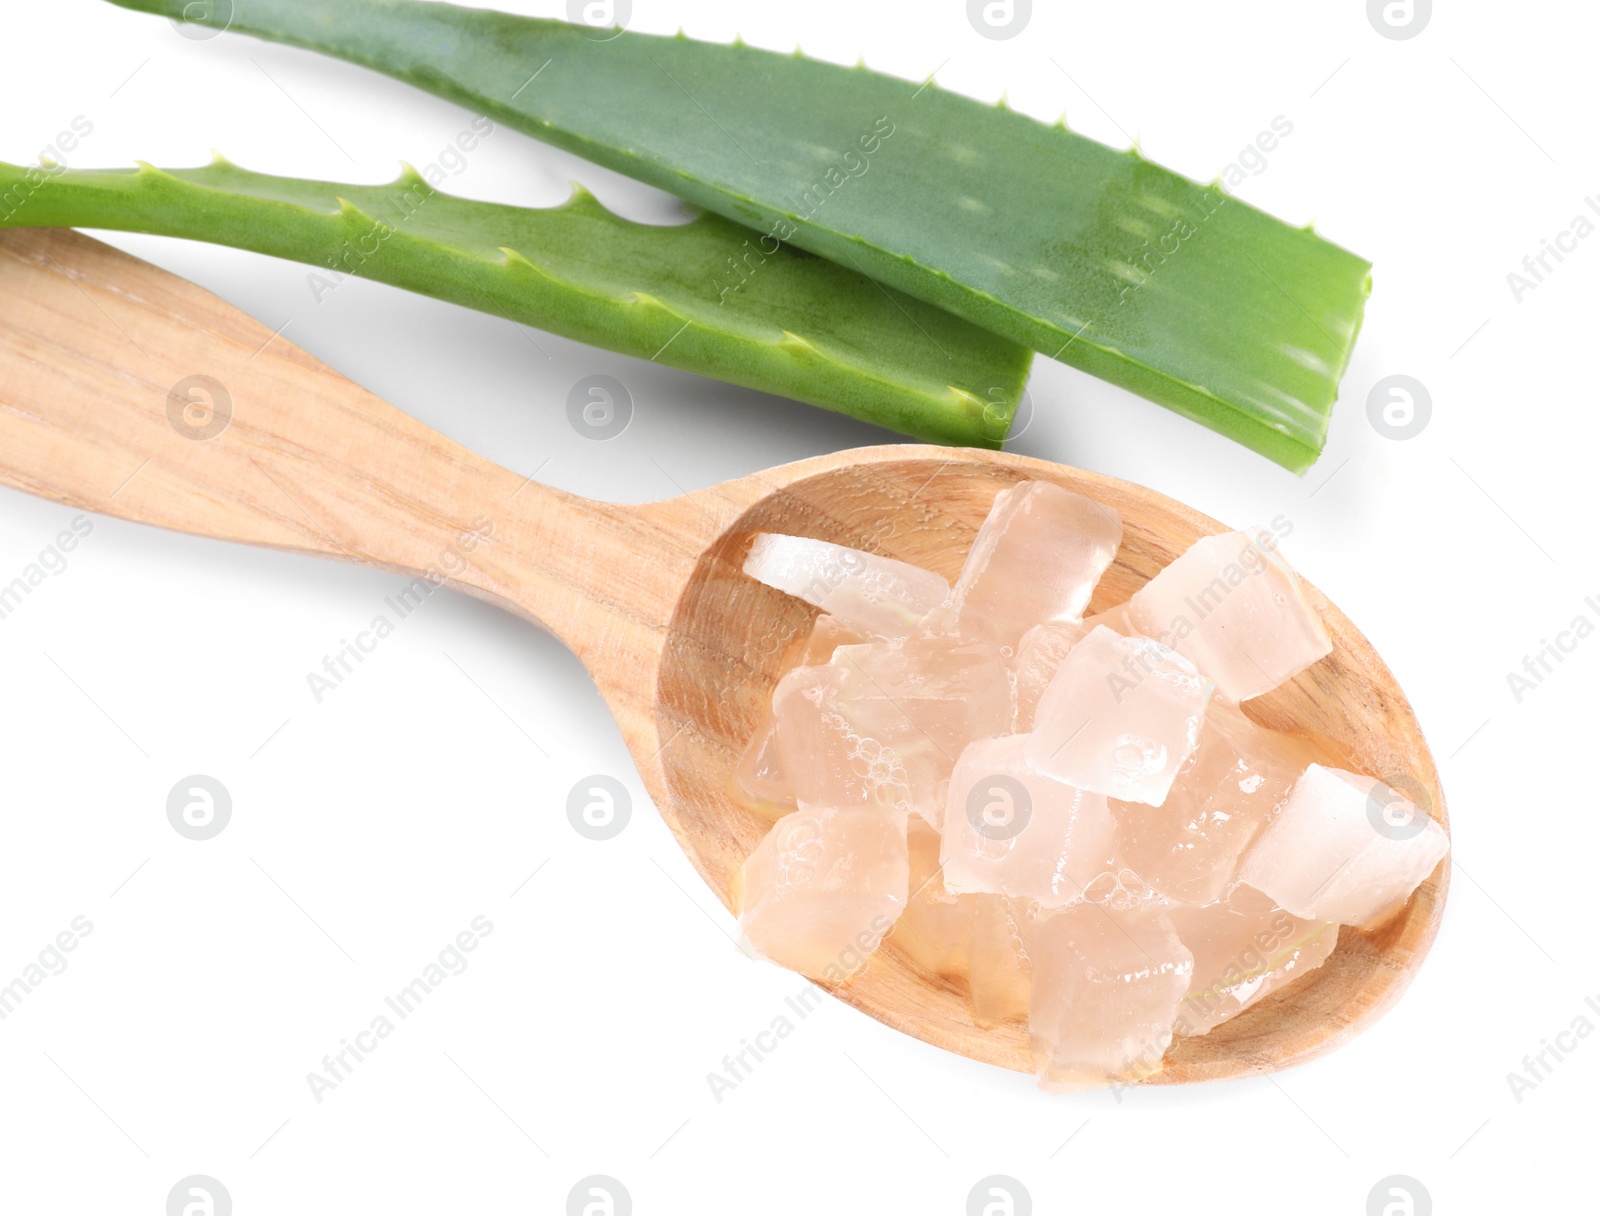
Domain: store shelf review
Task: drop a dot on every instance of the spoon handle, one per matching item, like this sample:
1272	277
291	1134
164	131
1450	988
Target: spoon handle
131	392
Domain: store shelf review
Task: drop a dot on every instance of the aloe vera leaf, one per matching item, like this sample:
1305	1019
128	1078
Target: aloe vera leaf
797	325
1096	257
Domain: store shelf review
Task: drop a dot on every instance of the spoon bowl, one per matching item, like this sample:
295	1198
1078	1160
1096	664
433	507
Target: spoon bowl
922	505
128	391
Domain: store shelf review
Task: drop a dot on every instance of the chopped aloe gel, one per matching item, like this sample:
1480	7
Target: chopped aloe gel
1240	775
936	927
870	594
1009	830
759	775
1036	558
1345	848
1000	974
1105	995
1039	654
828	633
1119	717
823	888
759	772
921	701
1244	947
1075	818
827	760
1232	606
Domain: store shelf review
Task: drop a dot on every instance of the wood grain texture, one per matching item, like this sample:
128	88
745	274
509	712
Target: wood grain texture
684	647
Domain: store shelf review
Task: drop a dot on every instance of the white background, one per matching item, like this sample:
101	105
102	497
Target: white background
369	829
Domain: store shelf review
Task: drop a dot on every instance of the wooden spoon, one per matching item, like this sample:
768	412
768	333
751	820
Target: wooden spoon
131	392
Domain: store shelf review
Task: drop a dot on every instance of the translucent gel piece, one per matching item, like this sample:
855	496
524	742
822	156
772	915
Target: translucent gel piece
1232	605
1036	558
1000	973
1105	995
920	702
1120	717
758	775
1115	619
1240	775
1345	848
1244	947
871	594
1039	654
935	929
1009	830
822	889
828	758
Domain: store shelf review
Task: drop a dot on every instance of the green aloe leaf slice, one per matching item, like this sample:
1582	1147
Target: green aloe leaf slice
1096	257
796	325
